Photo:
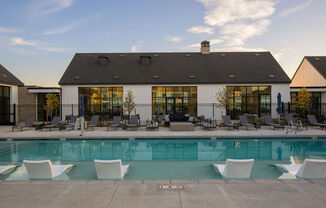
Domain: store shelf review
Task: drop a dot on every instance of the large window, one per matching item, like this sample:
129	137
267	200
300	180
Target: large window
4	105
105	101
41	112
315	107
249	99
174	100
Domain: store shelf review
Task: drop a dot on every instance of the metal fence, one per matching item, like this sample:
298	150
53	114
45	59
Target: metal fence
209	110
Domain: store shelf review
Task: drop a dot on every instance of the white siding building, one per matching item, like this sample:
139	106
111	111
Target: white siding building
174	83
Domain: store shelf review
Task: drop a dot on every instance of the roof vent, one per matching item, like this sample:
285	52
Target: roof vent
89	56
156	55
271	76
122	55
5	76
145	60
116	77
317	59
257	54
155	76
77	77
223	54
188	55
231	76
192	76
103	60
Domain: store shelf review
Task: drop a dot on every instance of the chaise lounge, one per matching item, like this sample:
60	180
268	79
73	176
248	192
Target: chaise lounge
43	169
235	168
6	169
110	169
269	122
313	121
28	124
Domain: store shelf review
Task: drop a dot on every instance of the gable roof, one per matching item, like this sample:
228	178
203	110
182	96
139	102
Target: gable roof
174	68
319	63
8	78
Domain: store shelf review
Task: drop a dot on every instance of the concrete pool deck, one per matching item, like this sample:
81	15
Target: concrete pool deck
146	193
5	132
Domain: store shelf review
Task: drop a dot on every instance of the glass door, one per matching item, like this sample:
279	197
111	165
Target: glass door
169	106
178	109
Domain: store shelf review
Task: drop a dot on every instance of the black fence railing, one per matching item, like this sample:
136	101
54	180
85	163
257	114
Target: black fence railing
107	111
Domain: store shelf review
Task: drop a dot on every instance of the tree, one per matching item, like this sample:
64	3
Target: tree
223	98
129	103
303	101
52	105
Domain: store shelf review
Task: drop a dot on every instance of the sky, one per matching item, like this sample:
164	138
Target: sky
38	38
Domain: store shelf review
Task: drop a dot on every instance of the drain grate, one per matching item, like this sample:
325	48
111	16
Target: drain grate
170	187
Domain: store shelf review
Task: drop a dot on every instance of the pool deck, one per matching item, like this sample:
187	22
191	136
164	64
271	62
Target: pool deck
147	194
5	132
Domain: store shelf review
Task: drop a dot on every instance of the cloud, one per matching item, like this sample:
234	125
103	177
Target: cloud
20	45
237	33
297	8
137	46
174	39
8	30
70	26
220	12
236	20
45	7
20	41
201	29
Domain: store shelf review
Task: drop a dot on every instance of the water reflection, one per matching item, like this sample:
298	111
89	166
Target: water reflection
168	149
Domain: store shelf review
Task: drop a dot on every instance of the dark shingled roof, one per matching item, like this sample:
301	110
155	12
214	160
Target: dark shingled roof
8	78
319	63
174	68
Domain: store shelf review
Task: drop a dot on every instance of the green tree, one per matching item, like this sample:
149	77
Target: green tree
129	103
52	105
303	101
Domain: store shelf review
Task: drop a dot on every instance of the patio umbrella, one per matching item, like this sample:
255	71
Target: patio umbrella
279	104
81	109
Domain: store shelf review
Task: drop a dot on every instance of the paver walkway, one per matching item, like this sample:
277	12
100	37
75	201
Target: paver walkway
143	194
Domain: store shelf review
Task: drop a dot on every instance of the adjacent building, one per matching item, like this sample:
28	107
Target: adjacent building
311	74
173	83
8	96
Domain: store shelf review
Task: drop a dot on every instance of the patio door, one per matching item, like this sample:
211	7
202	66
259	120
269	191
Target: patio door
174	105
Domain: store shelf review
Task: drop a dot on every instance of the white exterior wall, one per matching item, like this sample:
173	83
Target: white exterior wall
69	96
143	99
284	89
206	97
14	100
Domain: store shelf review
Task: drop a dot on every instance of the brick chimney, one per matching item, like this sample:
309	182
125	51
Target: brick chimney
204	47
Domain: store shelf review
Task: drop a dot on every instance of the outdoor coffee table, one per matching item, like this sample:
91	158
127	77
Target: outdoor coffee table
182	126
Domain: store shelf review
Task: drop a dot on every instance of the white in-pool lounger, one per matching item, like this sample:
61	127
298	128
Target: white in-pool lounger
235	168
311	168
43	169
110	169
6	169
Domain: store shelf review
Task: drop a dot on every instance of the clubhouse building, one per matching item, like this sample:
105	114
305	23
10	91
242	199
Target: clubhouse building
174	83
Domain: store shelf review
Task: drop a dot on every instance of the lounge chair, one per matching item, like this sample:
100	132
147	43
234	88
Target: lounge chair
235	168
110	169
6	169
72	122
43	169
244	122
152	125
313	121
93	122
55	123
208	124
311	168
269	122
116	123
28	123
228	123
133	122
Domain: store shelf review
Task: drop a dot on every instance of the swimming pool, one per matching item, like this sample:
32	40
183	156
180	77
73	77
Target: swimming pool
161	158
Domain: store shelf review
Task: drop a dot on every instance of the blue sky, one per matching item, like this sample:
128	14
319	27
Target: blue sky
38	38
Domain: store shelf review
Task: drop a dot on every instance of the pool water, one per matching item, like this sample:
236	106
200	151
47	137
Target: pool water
161	158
